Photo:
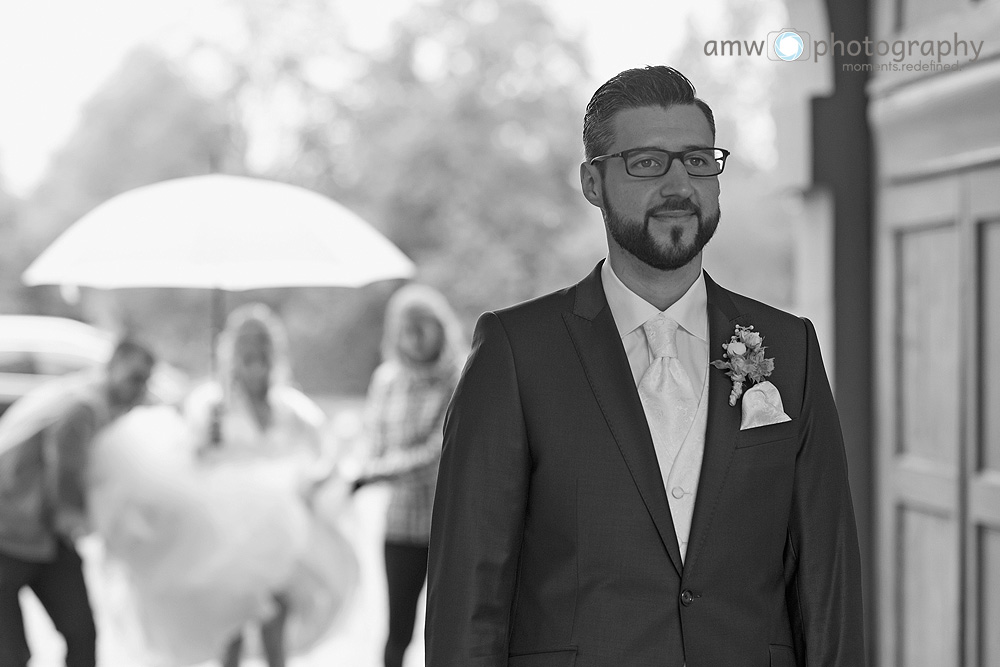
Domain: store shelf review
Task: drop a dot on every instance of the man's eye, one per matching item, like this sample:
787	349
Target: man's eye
645	163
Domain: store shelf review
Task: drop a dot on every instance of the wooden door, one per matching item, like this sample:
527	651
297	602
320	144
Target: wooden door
938	379
982	534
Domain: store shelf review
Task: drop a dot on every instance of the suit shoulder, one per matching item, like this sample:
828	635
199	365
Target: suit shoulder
780	329
538	309
528	323
761	314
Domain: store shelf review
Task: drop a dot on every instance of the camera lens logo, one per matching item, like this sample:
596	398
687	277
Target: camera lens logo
787	45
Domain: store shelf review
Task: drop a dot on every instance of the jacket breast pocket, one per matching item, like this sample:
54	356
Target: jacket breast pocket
566	658
762	435
782	656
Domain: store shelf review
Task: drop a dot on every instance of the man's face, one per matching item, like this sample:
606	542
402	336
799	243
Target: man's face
665	221
127	379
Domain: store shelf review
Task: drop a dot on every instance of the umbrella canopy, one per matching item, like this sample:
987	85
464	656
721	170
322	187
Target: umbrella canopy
219	232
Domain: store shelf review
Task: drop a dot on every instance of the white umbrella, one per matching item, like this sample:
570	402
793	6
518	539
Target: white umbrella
219	232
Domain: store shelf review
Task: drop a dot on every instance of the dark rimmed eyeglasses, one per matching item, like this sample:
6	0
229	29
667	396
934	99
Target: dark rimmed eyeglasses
653	162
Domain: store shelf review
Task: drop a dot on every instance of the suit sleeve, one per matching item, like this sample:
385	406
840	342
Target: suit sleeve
479	510
825	592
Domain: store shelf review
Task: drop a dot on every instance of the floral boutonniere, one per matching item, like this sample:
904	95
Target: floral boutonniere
744	358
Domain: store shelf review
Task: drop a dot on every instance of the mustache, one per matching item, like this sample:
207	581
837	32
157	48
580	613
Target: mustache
674	204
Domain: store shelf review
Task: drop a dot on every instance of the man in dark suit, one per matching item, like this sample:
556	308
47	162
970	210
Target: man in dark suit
609	497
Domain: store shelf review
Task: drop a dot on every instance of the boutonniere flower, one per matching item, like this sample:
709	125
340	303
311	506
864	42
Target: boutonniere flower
744	359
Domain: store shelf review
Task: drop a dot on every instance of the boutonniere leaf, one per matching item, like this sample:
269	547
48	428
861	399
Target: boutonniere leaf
744	360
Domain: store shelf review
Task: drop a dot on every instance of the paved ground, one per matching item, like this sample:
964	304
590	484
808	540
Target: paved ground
357	640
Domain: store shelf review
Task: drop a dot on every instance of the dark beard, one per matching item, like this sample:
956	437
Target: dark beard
637	240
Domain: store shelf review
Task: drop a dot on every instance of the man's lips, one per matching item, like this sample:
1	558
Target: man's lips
673	214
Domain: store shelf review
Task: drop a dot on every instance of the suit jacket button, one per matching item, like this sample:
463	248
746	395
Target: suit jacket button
687	597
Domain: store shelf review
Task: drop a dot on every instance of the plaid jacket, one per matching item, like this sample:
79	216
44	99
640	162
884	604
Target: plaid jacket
404	414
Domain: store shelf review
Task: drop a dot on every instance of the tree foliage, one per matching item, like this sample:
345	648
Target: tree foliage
460	141
144	125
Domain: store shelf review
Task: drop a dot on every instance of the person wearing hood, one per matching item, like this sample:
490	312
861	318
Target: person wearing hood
423	352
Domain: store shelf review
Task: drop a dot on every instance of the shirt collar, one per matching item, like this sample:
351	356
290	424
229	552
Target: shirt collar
631	311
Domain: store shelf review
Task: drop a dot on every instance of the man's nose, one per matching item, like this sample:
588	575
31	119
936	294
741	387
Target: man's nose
676	181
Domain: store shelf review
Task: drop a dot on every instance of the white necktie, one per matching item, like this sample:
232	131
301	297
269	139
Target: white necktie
667	395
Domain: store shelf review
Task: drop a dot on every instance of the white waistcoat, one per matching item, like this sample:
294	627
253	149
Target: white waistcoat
681	483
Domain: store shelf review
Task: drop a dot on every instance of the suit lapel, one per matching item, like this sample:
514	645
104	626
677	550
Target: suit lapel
592	328
723	419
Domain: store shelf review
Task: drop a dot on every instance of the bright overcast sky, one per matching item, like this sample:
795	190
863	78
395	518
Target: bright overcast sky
55	53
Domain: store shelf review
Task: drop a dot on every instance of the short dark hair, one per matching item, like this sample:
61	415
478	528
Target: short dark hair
649	86
128	348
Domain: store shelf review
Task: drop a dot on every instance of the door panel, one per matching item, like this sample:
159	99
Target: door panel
989	345
929	581
929	382
989	604
924	464
983	468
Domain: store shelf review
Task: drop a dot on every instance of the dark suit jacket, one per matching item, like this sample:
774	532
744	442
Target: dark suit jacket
552	543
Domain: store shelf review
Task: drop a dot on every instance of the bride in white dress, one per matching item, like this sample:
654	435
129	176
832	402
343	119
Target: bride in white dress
207	514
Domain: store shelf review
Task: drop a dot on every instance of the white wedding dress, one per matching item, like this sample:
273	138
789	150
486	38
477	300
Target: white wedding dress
204	547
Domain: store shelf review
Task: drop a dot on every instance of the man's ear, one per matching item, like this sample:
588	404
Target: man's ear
591	184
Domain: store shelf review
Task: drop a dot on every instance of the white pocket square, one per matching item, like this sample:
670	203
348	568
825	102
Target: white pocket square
762	406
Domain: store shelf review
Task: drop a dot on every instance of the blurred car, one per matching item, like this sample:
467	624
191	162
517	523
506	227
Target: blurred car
37	348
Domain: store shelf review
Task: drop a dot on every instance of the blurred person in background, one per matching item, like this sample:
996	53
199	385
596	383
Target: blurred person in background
423	352
253	413
608	492
45	452
207	512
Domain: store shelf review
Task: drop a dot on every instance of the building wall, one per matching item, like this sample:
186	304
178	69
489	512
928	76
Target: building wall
935	120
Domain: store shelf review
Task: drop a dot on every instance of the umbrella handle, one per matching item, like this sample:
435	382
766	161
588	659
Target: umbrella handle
215	426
